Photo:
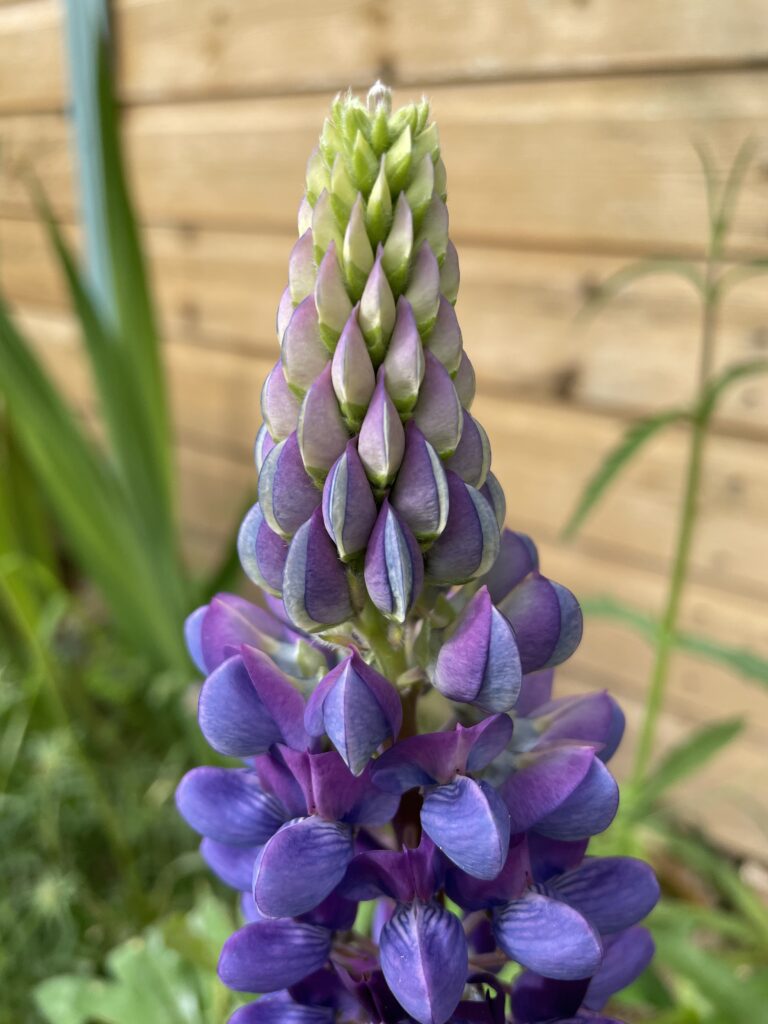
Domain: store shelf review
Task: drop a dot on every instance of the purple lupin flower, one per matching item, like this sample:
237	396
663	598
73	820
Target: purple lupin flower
378	542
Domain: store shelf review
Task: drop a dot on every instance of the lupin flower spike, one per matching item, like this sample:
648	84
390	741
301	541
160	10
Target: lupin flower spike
378	543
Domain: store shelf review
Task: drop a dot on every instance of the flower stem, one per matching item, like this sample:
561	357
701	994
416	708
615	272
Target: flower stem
686	528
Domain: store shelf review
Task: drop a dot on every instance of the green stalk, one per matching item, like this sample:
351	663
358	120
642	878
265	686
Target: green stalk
688	515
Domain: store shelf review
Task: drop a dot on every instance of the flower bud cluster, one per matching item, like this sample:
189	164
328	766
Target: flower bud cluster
412	807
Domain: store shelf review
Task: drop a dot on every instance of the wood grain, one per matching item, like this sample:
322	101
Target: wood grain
604	163
447	38
182	48
32	70
517	309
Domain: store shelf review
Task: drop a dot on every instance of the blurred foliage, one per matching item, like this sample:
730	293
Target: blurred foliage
711	929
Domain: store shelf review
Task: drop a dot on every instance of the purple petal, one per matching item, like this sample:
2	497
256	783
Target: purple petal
480	662
465	383
377	311
424	959
535	691
552	857
284	313
536	999
279	407
228	805
589	809
231	621
278	695
469	544
270	955
193	637
438	413
287	493
301	268
333	303
587	718
303	353
493	493
546	619
322	434
468	821
613	893
423	760
232	864
352	372
420	492
444	340
423	291
300	865
548	937
627	955
281	1009
394	569
543	781
315	587
477	894
349	509
381	442
472	458
232	717
517	558
357	708
615	732
262	552
404	361
485	741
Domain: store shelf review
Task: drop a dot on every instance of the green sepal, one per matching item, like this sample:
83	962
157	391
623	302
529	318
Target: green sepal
402	118
317	176
355	121
378	212
353	414
441	179
376	340
422	115
398	161
398	248
434	228
355	278
419	192
380	130
329	336
331	141
365	166
325	228
343	192
428	142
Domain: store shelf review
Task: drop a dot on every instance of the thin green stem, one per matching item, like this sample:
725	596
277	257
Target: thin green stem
390	657
668	628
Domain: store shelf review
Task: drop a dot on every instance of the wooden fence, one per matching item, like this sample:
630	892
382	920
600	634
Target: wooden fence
567	130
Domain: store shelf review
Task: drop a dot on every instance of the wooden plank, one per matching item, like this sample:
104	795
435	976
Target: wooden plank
437	39
205	48
543	454
517	311
603	163
32	65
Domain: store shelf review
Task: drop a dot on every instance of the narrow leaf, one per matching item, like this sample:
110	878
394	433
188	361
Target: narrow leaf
652	266
717	387
634	439
688	757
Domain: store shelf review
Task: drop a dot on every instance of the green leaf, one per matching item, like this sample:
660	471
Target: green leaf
740	660
634	439
734	999
651	266
685	759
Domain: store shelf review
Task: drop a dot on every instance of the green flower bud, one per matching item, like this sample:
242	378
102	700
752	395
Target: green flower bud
358	253
379	210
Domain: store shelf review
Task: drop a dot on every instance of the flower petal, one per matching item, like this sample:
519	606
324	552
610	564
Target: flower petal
627	955
542	781
420	492
262	552
424	959
287	493
469	822
232	716
394	568
349	509
270	955
546	619
232	864
281	1009
438	413
548	937
300	865
315	588
517	558
469	544
589	809
613	893
228	805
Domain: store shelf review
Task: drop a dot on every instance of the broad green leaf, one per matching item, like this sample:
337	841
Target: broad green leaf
634	439
686	758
